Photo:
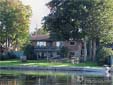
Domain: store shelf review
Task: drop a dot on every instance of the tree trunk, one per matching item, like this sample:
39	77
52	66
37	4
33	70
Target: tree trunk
85	49
94	50
90	50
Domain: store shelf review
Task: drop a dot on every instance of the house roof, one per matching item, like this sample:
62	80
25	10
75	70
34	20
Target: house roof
40	38
44	38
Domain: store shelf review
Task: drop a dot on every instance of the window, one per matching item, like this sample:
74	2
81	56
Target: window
72	43
41	44
49	44
72	53
58	44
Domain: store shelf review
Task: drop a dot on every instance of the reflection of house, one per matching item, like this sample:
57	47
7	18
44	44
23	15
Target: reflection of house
46	47
8	81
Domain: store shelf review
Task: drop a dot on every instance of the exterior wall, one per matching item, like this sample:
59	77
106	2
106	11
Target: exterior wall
34	43
54	44
47	44
46	54
51	43
75	48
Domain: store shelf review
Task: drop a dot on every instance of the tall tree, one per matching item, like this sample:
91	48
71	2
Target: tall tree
99	25
40	31
76	19
14	23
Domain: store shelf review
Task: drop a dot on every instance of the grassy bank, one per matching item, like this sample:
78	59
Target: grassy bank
35	73
43	63
46	73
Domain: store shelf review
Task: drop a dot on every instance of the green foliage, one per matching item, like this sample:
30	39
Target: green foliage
14	22
29	52
103	55
79	18
99	23
8	56
64	20
108	39
64	52
41	31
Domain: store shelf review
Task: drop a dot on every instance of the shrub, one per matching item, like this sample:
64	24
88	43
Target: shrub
63	51
1	56
7	56
103	55
29	52
11	55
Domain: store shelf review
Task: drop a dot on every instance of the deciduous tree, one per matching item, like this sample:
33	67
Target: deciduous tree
77	19
14	23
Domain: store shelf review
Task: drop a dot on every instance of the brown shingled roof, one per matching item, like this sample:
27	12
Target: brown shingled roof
40	37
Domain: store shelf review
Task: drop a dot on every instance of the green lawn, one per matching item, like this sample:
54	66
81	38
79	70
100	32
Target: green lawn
43	63
38	73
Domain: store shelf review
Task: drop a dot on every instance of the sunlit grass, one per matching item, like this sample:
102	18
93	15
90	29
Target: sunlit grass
35	73
43	63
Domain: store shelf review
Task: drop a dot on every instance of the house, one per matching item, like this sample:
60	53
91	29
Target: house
45	47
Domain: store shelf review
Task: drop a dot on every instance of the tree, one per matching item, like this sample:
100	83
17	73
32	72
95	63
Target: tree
77	19
104	55
29	52
66	17
99	25
14	23
64	52
40	31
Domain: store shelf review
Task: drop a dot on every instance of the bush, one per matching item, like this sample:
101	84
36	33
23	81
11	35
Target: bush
103	55
63	51
29	52
11	55
7	56
1	56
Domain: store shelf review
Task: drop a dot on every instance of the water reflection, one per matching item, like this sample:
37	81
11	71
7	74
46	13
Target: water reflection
54	79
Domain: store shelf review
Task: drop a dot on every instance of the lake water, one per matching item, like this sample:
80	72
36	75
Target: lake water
53	78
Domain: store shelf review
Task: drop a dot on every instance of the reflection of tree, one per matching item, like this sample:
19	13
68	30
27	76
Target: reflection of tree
54	80
96	80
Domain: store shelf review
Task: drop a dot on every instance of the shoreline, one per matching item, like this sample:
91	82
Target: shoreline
36	68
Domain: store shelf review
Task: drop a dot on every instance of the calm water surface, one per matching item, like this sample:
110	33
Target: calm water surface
53	78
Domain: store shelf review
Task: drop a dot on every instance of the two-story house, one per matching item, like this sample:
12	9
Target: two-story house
46	47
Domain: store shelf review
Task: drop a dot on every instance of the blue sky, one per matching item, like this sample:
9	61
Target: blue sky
39	11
